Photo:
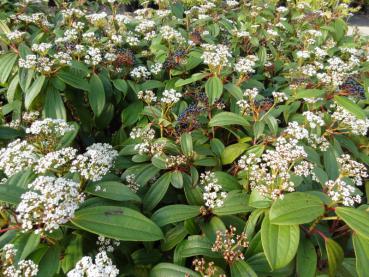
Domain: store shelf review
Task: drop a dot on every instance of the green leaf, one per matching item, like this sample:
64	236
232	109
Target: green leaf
361	246
232	152
156	192
121	85
259	201
186	144
73	253
234	90
7	133
73	80
235	203
195	77
54	105
25	244
213	89
280	243
309	93
330	163
49	263
228	181
357	220
131	113
118	223
112	190
296	208
350	106
33	91
242	269
177	179
173	237
96	95
306	262
11	194
335	256
171	270
7	62
228	118
198	246
174	213
69	137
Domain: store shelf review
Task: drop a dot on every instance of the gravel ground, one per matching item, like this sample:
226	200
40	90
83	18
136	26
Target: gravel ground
361	22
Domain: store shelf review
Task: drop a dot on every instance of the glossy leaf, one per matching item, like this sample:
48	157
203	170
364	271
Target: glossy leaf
227	118
117	222
296	208
361	246
242	269
280	243
112	190
357	220
174	213
213	89
335	256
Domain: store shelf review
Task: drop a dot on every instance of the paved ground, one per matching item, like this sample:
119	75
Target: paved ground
361	22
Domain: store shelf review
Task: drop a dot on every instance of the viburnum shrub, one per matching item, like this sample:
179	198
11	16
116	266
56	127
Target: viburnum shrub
192	138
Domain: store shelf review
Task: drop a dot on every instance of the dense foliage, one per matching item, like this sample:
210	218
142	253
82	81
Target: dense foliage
199	138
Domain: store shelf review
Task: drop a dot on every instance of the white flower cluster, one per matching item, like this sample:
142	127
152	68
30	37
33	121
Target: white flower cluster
15	36
49	203
170	96
140	72
352	169
93	56
246	65
350	121
270	174
131	183
41	48
95	162
213	194
17	156
336	71
106	244
340	191
279	97
147	144
24	268
314	120
156	68
145	26
40	64
243	105
148	96
216	55
50	127
232	3
251	93
102	267
59	160
171	35
175	161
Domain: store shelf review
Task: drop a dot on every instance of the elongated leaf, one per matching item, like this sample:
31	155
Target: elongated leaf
11	194
335	256
117	222
173	237
195	77
10	133
296	208
73	80
235	91
357	220
280	243
7	62
309	93
171	270
235	203
232	152
361	246
176	179
228	118
73	253
306	259
49	263
242	269
198	246
350	106
174	213
96	95
213	89
112	190
25	244
54	105
186	144
33	91
156	192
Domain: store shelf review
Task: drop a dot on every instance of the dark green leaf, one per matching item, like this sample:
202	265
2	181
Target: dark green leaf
174	213
112	190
